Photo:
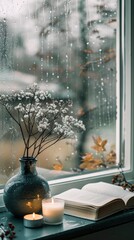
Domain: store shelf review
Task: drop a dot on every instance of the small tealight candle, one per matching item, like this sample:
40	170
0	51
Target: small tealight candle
53	211
33	220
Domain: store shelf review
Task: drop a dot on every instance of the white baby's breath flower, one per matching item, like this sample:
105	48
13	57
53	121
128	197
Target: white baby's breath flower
41	118
26	116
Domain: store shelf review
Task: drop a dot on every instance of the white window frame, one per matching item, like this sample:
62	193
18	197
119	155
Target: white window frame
125	73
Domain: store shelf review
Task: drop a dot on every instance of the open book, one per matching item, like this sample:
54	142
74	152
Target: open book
96	200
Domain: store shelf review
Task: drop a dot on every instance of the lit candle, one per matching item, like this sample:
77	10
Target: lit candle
33	220
53	210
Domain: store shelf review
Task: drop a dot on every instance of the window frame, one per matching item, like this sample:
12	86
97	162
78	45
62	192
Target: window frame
125	121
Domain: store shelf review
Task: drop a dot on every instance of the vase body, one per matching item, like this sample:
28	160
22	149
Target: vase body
23	193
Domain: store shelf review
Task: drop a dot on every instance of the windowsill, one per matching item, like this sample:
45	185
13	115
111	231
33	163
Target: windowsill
71	228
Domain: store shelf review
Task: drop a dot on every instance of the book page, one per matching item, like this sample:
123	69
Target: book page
85	198
108	189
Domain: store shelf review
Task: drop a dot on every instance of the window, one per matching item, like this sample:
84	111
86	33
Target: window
77	49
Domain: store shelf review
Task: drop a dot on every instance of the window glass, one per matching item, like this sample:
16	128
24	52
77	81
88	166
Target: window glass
67	47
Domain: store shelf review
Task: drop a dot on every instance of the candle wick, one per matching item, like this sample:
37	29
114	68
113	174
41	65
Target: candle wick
33	216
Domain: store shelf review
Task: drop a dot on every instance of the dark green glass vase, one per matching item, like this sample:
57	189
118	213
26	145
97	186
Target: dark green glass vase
23	193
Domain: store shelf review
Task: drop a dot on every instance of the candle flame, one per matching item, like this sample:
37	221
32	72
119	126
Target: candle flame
33	215
52	200
38	196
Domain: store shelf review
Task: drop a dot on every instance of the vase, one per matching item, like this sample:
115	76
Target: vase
23	193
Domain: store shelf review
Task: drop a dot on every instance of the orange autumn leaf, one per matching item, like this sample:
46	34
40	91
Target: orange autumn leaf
80	112
111	157
92	164
89	162
99	144
88	51
58	166
88	157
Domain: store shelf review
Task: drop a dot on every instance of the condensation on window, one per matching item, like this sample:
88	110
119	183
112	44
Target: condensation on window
68	47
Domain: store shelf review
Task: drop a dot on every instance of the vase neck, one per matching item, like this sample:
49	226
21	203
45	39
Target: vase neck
28	165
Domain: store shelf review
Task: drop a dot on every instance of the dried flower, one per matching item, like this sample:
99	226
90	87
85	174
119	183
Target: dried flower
7	231
120	180
42	120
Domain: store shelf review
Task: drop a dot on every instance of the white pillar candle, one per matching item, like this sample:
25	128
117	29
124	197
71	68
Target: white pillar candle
33	220
53	210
